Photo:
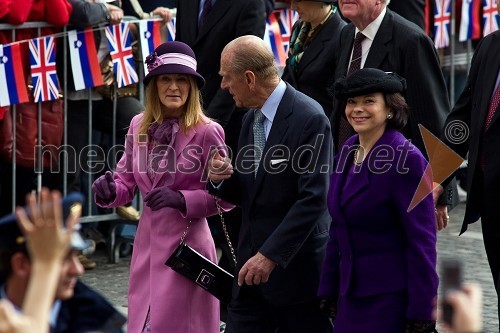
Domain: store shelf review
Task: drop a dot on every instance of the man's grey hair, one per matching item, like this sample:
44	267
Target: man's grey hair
251	53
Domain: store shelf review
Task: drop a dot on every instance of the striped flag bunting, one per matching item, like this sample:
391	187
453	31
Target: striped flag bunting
43	69
84	61
12	79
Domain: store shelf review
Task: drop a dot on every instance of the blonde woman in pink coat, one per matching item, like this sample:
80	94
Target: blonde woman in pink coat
166	151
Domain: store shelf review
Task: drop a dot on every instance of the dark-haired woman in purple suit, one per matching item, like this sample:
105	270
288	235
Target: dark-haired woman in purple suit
379	274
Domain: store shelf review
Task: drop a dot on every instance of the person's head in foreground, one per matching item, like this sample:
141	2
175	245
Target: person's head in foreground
16	265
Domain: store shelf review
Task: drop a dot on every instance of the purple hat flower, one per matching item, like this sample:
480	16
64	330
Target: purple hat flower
172	58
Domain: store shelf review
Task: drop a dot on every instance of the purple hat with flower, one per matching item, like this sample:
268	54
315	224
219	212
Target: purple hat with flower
172	58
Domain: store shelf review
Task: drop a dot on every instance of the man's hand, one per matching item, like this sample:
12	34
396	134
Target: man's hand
219	168
256	270
441	211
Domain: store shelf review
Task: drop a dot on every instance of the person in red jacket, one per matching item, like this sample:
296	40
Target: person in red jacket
15	12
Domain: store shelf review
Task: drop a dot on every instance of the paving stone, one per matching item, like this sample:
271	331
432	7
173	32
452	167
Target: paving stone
112	279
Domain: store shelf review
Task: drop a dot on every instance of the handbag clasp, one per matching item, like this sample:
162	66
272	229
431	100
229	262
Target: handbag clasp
205	279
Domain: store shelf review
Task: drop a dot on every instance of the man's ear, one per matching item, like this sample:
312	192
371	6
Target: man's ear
21	265
249	77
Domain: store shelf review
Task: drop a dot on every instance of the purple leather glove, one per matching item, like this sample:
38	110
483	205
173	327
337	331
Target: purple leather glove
105	187
164	197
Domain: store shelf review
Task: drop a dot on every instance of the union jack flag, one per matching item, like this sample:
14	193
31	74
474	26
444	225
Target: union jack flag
442	15
286	19
490	13
273	39
43	69
120	49
171	30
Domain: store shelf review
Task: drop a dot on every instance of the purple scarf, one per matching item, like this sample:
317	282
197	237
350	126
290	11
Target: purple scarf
163	133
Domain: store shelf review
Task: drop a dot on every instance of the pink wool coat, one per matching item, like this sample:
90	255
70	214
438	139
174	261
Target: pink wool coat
176	304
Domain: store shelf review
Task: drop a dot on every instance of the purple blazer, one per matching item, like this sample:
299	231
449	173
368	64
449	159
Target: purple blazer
376	245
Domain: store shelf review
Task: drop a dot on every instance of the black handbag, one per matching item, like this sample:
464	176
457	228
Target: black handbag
202	271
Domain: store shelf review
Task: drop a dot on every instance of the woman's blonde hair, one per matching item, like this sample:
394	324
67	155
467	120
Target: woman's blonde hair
191	116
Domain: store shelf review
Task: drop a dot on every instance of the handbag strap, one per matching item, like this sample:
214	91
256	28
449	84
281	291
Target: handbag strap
219	211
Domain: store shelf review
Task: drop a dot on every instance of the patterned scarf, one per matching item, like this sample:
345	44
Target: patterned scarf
301	37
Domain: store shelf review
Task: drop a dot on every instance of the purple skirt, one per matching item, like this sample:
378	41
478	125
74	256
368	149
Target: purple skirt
384	313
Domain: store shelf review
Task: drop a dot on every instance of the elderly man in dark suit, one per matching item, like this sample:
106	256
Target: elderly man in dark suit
380	38
473	127
207	26
280	179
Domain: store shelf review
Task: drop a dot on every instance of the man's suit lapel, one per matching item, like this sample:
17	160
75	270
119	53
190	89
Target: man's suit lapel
218	11
492	67
347	41
379	49
278	130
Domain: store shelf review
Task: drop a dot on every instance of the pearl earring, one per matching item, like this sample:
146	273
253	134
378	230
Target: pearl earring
389	116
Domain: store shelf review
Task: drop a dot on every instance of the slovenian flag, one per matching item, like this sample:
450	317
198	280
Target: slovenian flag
84	61
470	23
12	79
149	32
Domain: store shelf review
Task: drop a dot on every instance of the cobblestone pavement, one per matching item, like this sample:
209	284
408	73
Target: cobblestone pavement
112	279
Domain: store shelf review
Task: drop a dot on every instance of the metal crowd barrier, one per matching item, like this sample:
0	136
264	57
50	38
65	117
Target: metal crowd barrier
89	216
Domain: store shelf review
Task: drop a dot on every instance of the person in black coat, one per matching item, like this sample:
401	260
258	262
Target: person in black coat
313	50
473	128
281	188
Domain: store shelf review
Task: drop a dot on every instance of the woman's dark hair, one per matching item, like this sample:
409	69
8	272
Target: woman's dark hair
400	113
